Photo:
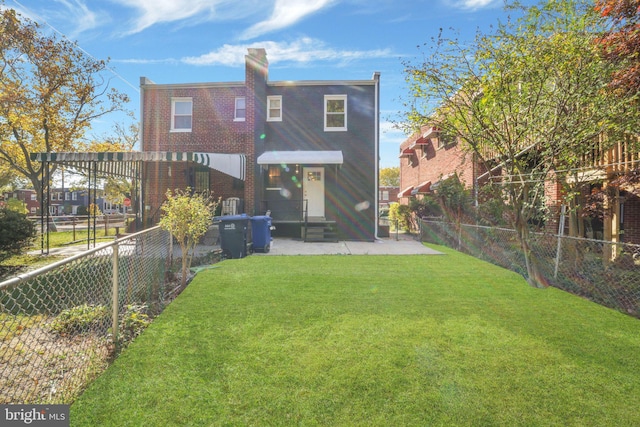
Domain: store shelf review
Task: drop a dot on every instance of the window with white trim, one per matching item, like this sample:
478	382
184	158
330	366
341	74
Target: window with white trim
181	114
335	112
240	110
274	108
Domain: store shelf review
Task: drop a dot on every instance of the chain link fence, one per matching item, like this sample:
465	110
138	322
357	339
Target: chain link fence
604	272
61	325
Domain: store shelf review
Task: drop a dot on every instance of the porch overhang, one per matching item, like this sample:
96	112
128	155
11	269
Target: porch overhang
407	152
422	188
406	192
301	157
234	165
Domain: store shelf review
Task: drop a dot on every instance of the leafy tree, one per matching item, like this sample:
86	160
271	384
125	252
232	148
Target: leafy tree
454	199
390	177
16	233
621	42
400	216
187	217
50	93
17	205
528	100
427	206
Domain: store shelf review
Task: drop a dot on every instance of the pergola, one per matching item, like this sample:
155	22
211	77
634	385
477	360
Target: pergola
127	165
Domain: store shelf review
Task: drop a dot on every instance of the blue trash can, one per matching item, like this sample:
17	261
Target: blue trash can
233	235
261	233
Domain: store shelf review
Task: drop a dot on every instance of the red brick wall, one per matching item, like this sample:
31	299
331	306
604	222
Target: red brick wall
213	130
430	163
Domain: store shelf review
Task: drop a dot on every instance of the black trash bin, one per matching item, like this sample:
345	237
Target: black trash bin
233	235
261	233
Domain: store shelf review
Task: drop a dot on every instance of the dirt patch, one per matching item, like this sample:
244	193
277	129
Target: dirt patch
38	365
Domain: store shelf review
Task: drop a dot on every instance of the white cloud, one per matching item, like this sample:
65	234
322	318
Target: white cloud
302	51
83	19
390	134
75	14
286	13
283	13
476	4
152	12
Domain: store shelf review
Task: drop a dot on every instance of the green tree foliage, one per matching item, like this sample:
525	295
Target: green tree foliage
390	177
454	198
187	216
50	93
528	99
400	217
17	205
426	206
16	233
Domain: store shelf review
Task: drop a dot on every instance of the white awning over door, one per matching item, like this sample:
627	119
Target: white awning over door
312	157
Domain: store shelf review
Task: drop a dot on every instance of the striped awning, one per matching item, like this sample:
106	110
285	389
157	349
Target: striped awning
122	163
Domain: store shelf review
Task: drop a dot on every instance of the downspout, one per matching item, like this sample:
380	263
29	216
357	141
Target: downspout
376	78
141	211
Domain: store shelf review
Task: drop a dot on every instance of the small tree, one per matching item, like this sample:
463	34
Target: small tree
187	216
16	233
390	177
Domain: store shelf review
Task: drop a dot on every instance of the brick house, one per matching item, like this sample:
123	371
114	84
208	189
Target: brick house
26	196
387	195
426	158
309	148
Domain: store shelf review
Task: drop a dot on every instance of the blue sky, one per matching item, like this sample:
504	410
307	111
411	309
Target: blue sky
180	41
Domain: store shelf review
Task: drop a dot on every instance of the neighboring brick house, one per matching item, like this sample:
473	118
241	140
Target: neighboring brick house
26	196
387	195
426	158
311	147
62	201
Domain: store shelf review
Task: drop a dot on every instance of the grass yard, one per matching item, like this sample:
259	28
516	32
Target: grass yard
372	341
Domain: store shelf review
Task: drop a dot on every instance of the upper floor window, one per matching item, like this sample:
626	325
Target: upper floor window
74	196
274	108
34	196
335	112
181	114
240	110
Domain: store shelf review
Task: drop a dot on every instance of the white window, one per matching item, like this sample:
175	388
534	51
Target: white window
240	110
274	108
33	211
67	196
74	195
34	196
181	114
335	112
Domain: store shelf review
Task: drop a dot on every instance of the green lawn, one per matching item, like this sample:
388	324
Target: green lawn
372	341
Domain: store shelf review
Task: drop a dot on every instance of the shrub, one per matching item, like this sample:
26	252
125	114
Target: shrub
16	233
400	214
80	319
133	323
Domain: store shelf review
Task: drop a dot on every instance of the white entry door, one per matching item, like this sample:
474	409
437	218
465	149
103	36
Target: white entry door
313	189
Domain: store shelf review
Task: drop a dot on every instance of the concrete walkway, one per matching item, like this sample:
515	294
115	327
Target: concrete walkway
404	245
401	244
